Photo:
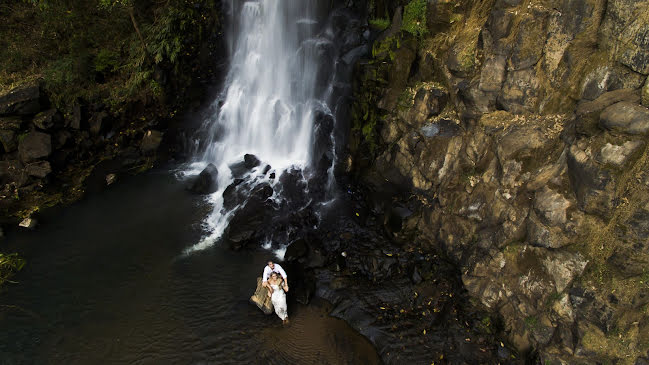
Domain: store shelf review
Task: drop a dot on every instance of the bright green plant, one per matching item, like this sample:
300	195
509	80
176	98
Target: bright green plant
414	17
380	23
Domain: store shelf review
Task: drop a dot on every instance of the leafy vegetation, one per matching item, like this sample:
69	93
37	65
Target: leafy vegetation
380	23
100	49
414	17
9	265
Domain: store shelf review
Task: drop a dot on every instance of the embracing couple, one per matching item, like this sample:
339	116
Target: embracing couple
277	287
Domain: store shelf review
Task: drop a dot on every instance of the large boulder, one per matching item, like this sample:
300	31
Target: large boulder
250	221
206	182
233	195
21	101
250	161
626	117
241	168
8	140
34	146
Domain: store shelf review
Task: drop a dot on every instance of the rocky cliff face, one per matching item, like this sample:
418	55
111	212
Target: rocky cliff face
514	135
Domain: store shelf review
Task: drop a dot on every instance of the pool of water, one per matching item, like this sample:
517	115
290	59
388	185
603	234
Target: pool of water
107	281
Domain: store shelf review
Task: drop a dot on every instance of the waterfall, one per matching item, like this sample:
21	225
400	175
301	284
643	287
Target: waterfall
280	79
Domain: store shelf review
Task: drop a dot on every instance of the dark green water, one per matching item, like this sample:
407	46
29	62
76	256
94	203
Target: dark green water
107	283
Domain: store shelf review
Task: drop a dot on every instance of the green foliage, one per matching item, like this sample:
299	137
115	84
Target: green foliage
96	49
385	47
414	17
380	23
106	61
9	265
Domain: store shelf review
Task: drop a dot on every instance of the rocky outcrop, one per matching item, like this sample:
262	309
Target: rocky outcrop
206	182
528	169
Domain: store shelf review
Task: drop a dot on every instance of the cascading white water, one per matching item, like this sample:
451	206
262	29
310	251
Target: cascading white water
270	96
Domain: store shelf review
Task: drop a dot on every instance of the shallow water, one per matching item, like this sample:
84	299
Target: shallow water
107	282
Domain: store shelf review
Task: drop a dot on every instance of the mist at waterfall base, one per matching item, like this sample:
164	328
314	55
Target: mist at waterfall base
284	97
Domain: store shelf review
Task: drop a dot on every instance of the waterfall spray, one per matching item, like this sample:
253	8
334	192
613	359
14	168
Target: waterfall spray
274	89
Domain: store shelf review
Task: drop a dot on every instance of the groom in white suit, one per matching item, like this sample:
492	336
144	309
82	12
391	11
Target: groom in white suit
270	268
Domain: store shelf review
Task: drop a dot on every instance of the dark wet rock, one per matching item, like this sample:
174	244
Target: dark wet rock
34	146
98	123
46	120
61	139
397	218
75	116
322	137
150	142
250	161
12	123
252	219
24	100
266	169
8	140
232	195
206	182
416	277
296	250
241	168
13	171
626	117
39	169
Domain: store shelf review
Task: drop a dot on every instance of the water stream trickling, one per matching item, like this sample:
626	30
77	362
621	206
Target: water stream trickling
275	88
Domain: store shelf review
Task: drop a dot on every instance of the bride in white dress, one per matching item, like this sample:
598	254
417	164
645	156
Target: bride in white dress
277	294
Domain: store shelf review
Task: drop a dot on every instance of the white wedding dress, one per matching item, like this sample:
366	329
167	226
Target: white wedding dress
279	301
